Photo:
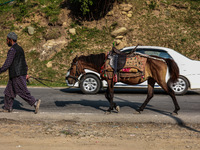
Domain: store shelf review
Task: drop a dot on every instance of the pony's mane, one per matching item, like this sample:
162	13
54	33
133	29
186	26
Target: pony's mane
95	59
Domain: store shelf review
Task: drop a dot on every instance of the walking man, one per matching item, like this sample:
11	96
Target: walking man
16	64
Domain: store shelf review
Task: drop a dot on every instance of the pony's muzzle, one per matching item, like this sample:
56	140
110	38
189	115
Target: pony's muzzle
70	79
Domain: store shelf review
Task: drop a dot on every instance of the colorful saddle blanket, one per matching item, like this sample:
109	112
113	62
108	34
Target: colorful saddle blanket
134	63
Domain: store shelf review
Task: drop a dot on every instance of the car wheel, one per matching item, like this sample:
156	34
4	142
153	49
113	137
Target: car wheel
181	86
90	84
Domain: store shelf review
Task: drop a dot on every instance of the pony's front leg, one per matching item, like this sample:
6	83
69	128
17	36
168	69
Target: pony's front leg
151	83
110	95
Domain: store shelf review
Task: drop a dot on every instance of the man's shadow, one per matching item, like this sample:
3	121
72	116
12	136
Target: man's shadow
16	105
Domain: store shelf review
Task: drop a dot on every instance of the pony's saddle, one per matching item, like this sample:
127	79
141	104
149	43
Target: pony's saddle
117	59
117	62
124	63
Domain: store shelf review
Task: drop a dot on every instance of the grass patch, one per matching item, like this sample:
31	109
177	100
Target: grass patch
168	23
88	36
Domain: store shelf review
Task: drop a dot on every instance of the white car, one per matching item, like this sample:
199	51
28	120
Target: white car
189	72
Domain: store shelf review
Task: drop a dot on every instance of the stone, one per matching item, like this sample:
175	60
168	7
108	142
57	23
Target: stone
31	30
121	45
64	24
110	13
72	31
119	37
51	47
126	7
49	64
124	13
129	15
118	42
119	32
130	12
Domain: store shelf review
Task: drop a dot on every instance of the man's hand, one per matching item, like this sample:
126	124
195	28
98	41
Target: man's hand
27	77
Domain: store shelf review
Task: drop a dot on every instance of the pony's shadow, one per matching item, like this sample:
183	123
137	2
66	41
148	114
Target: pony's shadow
97	104
178	120
127	91
16	105
124	103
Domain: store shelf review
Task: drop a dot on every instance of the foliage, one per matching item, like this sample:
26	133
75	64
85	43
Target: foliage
83	5
23	10
52	10
152	4
90	9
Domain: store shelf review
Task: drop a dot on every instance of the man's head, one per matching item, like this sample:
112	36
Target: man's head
11	38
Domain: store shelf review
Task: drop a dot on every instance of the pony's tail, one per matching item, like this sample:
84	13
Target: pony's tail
173	70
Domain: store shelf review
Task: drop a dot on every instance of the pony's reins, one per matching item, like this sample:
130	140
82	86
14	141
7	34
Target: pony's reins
41	79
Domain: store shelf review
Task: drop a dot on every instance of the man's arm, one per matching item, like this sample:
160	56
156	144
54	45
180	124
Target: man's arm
9	60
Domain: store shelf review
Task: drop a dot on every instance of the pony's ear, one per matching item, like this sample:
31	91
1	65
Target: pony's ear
76	57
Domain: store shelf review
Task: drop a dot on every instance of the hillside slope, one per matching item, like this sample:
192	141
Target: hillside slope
42	24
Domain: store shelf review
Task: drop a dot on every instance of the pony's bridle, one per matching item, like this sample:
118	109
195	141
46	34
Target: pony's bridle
78	72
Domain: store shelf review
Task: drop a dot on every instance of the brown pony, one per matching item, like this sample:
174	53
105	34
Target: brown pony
155	71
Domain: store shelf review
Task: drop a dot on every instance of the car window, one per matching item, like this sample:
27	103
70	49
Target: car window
159	53
155	52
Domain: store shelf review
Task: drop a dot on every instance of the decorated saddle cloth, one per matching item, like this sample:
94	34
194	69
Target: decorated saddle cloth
133	66
133	63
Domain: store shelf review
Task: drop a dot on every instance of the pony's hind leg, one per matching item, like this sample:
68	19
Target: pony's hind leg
151	83
172	95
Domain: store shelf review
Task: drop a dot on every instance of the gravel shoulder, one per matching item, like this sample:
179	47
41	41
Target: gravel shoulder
50	131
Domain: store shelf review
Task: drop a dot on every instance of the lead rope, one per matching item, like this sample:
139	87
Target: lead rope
39	80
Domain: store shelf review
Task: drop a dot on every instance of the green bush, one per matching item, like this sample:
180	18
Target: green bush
152	5
90	9
52	10
83	5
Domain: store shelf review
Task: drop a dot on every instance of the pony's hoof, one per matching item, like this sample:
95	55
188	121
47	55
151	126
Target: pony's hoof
118	109
137	112
174	113
108	112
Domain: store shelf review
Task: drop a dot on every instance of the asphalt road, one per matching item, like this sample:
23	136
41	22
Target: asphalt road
64	103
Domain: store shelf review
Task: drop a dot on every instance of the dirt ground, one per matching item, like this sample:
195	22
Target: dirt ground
72	135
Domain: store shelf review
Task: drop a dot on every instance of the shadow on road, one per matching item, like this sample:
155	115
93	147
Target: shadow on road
179	121
125	103
16	105
97	104
126	91
84	102
133	105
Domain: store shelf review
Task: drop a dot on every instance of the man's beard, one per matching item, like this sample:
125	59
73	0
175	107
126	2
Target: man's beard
9	44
